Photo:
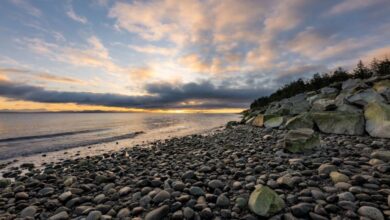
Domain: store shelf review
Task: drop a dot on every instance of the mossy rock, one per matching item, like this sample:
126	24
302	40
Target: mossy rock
381	86
273	121
300	140
377	117
4	183
300	121
265	202
337	122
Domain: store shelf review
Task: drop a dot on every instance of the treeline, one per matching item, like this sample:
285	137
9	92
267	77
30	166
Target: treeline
318	81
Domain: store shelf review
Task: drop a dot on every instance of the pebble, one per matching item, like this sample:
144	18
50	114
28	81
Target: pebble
94	215
371	213
158	213
60	216
28	212
326	169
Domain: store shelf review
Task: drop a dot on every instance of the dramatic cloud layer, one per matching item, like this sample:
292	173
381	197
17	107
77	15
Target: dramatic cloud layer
179	54
191	95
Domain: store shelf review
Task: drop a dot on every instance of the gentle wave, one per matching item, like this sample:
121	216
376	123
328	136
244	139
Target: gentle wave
26	152
49	135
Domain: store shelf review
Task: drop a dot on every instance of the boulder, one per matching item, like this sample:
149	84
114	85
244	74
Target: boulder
301	140
274	122
324	105
363	97
351	84
329	91
381	86
298	104
265	202
377	117
258	121
278	109
300	121
339	122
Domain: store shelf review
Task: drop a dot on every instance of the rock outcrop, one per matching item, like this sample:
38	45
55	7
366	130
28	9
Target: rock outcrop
353	107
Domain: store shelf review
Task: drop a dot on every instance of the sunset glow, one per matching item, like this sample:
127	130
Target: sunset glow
176	56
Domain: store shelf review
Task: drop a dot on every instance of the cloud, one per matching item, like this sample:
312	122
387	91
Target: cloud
317	44
161	95
351	5
151	49
378	53
93	55
38	75
72	14
27	6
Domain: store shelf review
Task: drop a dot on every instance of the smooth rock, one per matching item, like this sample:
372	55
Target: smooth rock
371	213
263	201
158	213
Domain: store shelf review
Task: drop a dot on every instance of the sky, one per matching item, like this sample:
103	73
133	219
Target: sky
176	55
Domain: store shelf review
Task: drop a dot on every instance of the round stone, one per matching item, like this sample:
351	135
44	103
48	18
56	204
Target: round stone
223	201
94	215
371	213
196	191
161	196
28	212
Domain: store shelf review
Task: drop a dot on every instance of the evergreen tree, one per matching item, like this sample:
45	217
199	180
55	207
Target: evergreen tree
361	71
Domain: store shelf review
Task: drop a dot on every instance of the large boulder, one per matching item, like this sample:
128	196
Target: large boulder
265	202
353	84
338	122
273	122
377	117
363	97
329	91
298	104
383	88
301	140
303	120
278	109
324	105
258	121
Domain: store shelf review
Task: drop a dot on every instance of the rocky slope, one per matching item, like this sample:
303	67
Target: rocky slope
243	172
353	107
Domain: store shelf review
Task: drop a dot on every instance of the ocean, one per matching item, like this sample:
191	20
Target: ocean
29	134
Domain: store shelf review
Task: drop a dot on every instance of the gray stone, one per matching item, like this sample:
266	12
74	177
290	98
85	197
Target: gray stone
214	184
158	213
161	196
124	191
371	213
383	155
196	191
94	215
377	117
60	216
363	97
326	169
301	140
29	211
123	213
65	196
339	122
223	201
263	201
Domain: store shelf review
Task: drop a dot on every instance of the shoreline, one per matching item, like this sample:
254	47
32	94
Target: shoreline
209	176
40	159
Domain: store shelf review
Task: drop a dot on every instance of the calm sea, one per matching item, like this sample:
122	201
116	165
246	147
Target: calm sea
24	134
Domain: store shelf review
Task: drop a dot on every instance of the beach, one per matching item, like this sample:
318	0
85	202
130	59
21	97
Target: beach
209	176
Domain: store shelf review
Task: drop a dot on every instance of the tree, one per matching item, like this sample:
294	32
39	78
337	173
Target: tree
361	71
